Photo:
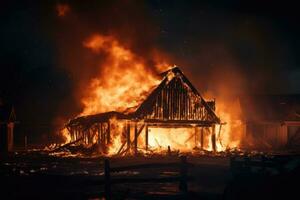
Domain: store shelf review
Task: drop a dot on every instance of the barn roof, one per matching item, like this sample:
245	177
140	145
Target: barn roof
146	108
169	76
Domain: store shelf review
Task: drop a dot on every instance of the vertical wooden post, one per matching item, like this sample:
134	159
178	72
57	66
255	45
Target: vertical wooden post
88	134
108	132
99	134
128	136
102	135
183	187
202	138
10	136
25	142
107	183
146	137
213	138
135	138
195	135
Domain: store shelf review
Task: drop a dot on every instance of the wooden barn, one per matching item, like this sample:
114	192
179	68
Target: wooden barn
174	103
271	121
7	123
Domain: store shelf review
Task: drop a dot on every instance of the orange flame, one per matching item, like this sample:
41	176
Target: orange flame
125	79
66	135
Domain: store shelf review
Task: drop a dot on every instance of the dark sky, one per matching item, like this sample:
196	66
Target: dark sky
246	46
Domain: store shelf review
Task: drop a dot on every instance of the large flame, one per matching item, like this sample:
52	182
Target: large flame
229	134
124	80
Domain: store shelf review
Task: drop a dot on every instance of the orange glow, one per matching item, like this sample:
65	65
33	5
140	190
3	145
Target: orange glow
62	9
230	134
117	128
66	135
177	138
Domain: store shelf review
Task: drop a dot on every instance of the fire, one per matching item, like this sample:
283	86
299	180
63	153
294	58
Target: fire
229	134
116	135
124	82
176	138
66	135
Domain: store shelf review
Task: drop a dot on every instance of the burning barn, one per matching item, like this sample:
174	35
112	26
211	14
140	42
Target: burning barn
174	115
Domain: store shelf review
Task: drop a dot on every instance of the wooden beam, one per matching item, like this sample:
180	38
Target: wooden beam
202	138
121	148
195	134
99	133
135	138
179	122
68	144
213	138
146	137
128	136
108	133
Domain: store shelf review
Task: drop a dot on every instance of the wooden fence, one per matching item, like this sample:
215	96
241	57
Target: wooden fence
245	164
182	179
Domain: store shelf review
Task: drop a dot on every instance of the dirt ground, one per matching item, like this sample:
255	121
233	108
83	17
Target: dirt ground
37	175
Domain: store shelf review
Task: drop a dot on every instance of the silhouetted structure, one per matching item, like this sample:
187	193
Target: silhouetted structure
271	121
7	123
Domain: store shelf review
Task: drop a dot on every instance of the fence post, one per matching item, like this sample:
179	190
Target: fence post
183	187
107	184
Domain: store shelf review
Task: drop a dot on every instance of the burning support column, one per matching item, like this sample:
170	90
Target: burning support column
146	137
202	138
135	138
108	132
213	138
128	136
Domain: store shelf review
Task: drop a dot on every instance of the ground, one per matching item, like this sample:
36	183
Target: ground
36	175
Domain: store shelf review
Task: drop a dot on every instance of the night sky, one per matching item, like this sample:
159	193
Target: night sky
246	47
